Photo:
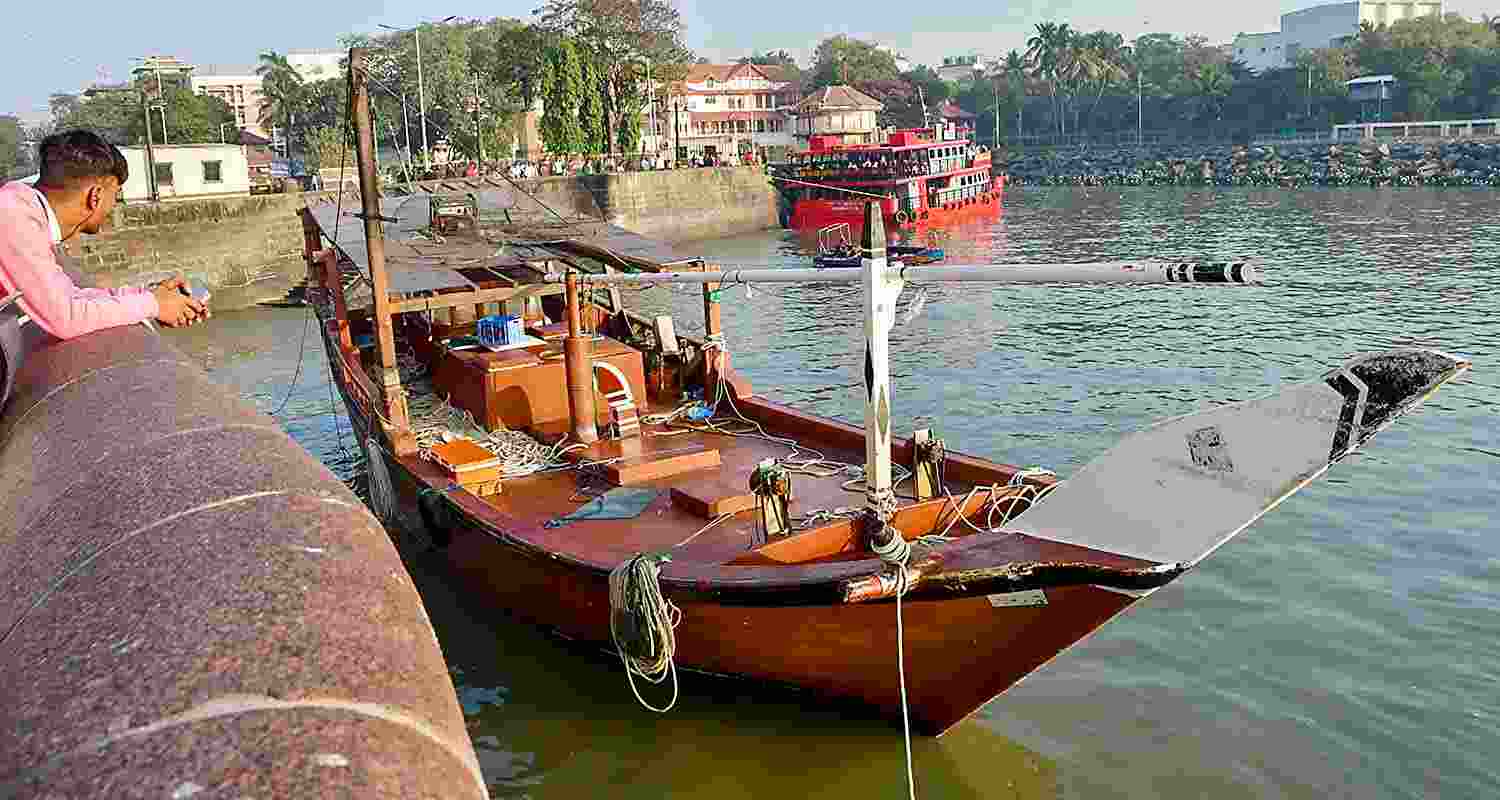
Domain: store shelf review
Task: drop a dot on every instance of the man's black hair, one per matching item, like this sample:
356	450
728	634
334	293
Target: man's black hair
70	157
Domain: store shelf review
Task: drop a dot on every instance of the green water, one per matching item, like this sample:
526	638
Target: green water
1348	645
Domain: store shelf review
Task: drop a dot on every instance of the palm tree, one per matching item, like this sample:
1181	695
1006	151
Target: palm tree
1108	56
281	90
1047	55
1015	73
1211	84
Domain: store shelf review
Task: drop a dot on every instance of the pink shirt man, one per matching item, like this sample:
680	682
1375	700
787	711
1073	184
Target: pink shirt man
28	233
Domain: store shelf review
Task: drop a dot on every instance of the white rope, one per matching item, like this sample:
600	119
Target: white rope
635	597
382	493
898	553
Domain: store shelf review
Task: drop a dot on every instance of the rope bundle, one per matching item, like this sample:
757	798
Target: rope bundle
642	622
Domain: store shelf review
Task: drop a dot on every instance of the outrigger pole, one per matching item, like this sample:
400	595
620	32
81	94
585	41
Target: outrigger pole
883	283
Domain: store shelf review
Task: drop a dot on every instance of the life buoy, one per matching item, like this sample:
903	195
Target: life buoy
902	218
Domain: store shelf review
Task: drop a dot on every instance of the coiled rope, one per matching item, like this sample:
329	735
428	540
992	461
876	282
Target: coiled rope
642	623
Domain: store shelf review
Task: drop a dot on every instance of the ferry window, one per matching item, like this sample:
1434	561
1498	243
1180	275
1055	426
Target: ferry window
164	174
710	101
212	172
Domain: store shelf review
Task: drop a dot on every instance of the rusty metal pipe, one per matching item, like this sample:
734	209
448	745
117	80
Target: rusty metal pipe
578	359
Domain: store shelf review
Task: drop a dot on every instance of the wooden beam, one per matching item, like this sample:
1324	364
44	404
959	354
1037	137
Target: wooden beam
453	299
393	397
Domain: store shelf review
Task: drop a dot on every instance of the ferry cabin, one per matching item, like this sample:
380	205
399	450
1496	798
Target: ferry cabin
917	177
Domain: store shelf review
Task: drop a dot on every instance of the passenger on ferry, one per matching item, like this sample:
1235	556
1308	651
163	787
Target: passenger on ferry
80	179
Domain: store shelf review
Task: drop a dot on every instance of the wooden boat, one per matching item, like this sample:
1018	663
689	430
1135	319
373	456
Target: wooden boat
766	525
836	248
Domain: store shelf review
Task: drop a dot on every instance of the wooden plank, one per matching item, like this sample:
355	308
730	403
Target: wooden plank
709	506
656	467
453	299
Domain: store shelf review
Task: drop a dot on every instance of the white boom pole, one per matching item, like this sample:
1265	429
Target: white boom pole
1102	272
882	288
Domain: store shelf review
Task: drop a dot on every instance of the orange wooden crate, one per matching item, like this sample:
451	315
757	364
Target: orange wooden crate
470	465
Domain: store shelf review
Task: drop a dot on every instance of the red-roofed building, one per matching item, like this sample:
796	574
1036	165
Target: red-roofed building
721	109
841	111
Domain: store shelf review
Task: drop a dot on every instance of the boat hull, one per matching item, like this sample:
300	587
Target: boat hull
960	652
811	214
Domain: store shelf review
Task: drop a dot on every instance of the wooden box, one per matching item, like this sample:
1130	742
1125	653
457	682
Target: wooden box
469	465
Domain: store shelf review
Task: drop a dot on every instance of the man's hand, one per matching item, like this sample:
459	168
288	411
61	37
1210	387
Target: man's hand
178	310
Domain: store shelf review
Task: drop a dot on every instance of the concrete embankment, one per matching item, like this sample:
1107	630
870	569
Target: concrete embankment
678	205
190	603
1458	163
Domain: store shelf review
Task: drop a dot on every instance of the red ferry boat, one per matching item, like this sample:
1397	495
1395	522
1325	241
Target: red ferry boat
920	176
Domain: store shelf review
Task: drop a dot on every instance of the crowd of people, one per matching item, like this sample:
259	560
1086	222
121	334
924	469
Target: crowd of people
522	169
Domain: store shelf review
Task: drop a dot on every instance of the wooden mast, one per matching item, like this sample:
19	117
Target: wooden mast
578	362
392	395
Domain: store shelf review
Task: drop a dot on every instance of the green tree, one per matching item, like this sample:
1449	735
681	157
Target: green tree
841	59
619	34
562	92
1049	56
282	93
1014	68
116	115
326	145
779	58
1106	62
591	106
1211	86
11	160
631	101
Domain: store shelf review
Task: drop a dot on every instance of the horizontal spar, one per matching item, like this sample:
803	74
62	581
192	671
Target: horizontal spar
1105	272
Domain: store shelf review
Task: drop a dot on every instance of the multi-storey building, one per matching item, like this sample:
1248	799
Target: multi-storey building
723	109
1323	26
153	71
240	87
317	65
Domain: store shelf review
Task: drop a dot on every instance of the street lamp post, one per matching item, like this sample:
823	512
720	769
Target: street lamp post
222	125
421	93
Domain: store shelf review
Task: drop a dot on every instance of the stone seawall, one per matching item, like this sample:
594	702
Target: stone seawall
191	605
677	205
1457	163
245	249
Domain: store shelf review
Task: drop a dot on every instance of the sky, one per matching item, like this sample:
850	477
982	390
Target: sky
64	48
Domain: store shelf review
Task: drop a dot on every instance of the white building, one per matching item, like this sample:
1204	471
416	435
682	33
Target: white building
839	111
317	65
960	69
1323	26
728	108
240	87
188	170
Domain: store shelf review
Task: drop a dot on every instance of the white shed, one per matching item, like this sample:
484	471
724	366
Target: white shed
189	170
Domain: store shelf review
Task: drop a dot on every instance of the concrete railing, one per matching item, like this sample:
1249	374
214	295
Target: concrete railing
190	603
1433	129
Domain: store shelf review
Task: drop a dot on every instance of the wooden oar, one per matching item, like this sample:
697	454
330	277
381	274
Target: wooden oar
1176	491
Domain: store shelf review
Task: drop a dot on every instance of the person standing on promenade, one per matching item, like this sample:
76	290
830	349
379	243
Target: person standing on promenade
80	179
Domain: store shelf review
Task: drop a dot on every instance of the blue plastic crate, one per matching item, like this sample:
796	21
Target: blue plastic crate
499	330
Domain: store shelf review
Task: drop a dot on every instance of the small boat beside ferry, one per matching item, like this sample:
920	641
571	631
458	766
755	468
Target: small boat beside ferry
920	177
836	248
